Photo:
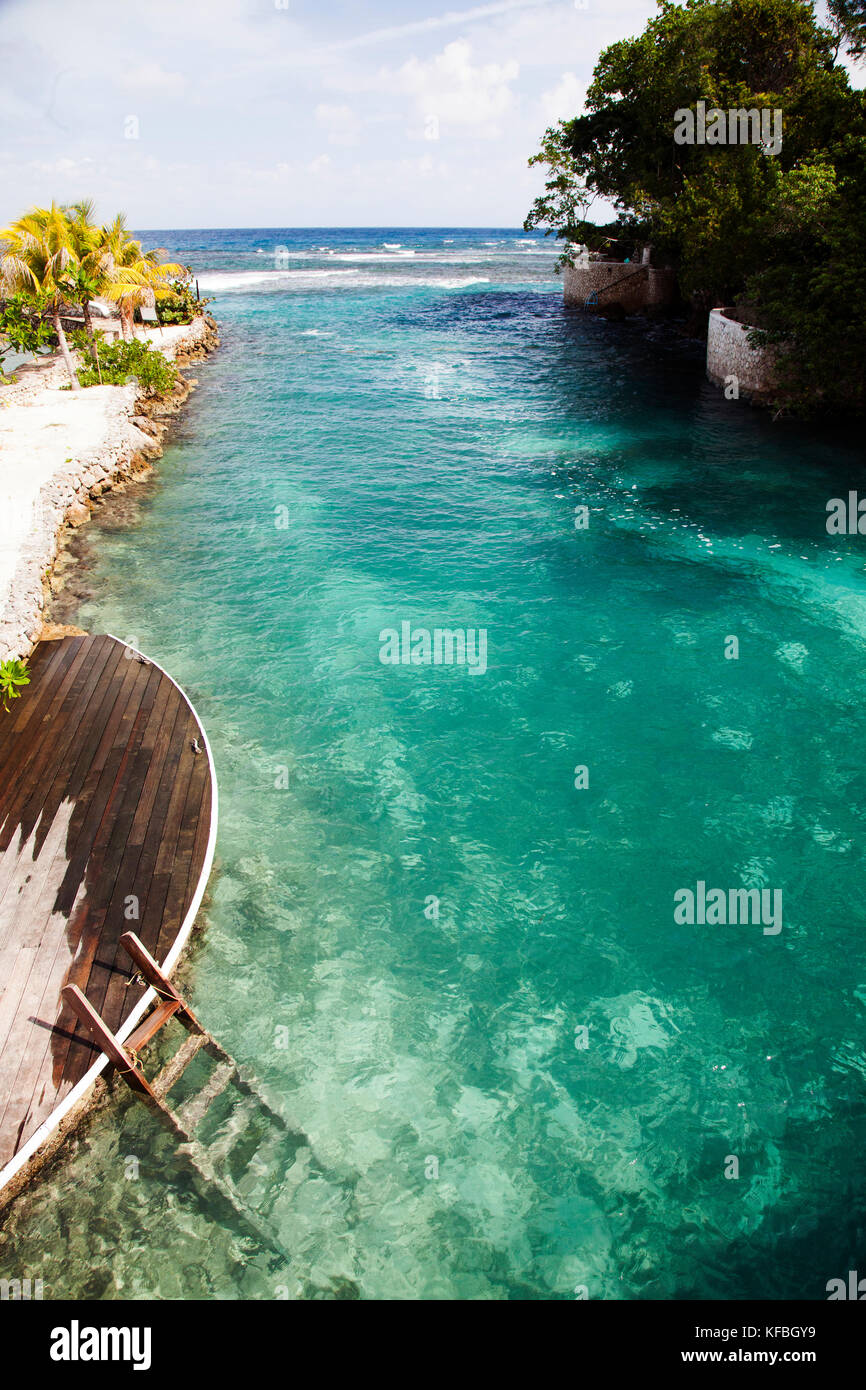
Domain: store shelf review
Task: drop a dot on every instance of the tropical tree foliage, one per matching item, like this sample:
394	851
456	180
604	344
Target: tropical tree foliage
90	273
23	325
37	261
810	294
137	277
57	258
785	233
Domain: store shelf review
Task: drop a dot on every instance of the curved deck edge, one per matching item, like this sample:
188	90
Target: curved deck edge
14	1177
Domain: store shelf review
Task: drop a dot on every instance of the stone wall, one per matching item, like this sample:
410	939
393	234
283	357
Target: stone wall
729	354
637	287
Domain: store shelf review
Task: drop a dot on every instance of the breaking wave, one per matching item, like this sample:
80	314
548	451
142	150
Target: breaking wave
224	282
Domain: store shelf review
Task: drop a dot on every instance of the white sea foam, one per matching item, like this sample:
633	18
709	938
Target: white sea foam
223	282
381	256
478	257
410	282
244	279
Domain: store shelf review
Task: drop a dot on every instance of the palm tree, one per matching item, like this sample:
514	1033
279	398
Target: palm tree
136	276
37	258
91	276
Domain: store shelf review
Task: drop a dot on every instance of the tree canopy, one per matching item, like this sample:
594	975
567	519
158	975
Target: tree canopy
784	231
850	19
54	258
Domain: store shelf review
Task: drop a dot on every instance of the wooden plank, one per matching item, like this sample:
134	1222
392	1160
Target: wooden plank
150	920
174	1070
151	972
50	1010
31	715
116	856
194	1110
13	1050
98	776
84	746
109	823
45	672
92	820
26	1038
179	892
13	987
106	1040
41	772
45	655
71	747
53	792
146	820
155	1020
21	767
36	1090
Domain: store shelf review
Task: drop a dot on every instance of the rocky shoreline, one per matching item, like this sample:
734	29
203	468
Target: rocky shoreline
128	431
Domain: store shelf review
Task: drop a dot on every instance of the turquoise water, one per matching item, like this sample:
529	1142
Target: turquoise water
387	438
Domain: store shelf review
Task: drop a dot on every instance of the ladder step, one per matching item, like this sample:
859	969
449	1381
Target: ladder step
173	1070
200	1161
218	1150
194	1110
152	1024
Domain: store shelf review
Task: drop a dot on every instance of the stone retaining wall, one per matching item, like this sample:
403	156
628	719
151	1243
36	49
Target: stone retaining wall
730	355
644	286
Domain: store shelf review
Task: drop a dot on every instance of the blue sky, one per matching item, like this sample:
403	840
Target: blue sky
209	113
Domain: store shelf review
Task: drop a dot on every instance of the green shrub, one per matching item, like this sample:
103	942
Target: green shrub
12	674
180	305
121	362
23	327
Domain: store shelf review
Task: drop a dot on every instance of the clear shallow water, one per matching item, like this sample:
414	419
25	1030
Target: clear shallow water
430	444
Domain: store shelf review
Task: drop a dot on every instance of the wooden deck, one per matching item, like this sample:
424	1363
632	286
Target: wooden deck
107	825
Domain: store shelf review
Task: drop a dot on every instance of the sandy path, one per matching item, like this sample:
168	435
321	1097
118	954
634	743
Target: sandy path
54	446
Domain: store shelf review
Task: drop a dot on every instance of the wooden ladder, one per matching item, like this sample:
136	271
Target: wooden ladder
184	1121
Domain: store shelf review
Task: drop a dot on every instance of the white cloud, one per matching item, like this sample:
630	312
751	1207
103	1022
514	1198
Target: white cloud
548	38
301	84
451	91
340	123
447	20
564	100
151	77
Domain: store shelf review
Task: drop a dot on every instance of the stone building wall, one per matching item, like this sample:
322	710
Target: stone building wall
729	354
638	287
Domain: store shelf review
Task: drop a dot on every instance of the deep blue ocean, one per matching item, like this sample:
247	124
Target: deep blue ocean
451	957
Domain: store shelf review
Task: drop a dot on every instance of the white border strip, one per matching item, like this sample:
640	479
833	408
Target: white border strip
60	1112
